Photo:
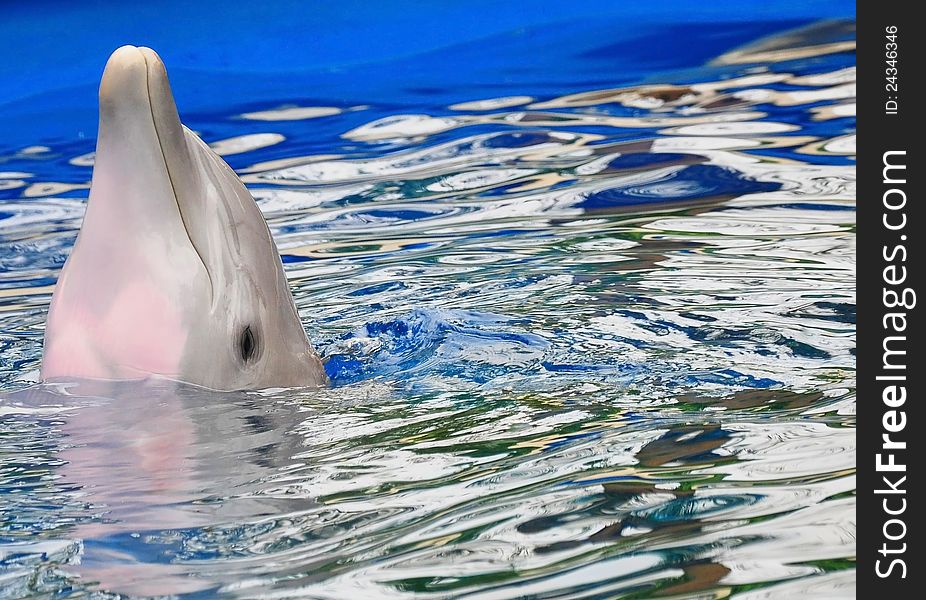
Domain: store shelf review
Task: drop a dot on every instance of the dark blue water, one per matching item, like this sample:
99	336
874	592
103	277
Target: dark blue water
583	277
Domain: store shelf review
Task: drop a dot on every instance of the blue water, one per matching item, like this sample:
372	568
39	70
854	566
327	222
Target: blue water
583	278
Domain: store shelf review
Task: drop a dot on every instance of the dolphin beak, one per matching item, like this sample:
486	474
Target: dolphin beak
135	87
142	172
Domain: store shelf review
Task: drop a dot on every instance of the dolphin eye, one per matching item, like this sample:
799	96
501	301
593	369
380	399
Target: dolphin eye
247	345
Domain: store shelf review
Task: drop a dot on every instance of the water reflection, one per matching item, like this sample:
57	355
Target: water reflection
150	462
305	492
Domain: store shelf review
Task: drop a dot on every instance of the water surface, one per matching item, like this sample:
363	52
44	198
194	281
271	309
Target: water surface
590	331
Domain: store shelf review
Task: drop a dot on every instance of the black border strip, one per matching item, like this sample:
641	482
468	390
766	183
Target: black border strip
890	362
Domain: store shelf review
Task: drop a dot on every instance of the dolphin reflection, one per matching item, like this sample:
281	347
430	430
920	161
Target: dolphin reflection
154	460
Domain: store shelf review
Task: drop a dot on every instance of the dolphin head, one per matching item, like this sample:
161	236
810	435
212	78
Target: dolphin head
174	272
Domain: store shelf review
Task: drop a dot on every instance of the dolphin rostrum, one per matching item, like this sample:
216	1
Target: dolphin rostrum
174	272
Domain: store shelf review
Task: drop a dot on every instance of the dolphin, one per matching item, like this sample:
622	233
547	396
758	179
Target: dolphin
174	272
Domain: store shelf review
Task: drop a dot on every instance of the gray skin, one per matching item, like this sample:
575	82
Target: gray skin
174	272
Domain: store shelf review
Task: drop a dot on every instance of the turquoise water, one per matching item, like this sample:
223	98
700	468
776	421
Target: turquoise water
590	336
